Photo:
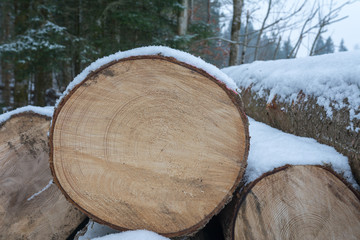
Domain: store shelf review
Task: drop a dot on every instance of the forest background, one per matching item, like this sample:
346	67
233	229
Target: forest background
44	44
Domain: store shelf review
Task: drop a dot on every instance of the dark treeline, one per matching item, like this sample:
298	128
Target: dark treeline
44	44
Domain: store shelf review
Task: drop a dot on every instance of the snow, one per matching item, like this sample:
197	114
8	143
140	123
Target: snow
330	78
42	190
95	230
153	50
45	111
102	232
133	235
271	148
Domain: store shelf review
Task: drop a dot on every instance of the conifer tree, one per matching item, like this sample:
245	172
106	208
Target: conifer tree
342	47
329	46
320	46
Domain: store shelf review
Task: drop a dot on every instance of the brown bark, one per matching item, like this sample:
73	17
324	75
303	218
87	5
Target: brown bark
31	207
156	125
307	119
294	202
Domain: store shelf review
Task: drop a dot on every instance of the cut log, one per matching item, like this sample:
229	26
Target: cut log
31	207
306	118
149	142
295	202
316	97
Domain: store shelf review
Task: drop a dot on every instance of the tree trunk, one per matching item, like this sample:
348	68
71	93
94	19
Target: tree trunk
5	78
295	202
31	206
242	60
6	27
235	32
183	18
149	143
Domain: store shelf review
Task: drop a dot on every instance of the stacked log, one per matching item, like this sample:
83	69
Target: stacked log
31	207
294	202
149	142
304	117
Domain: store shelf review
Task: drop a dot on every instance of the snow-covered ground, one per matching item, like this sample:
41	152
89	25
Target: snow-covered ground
331	79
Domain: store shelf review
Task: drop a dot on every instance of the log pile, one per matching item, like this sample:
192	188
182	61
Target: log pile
304	117
31	207
151	142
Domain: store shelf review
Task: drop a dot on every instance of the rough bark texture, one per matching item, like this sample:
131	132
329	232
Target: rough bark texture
149	143
294	202
183	18
27	209
307	119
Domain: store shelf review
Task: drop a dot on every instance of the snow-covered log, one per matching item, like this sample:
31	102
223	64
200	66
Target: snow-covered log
151	138
294	202
31	206
317	97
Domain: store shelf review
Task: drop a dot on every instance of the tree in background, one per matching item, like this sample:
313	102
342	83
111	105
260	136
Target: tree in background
44	43
329	45
319	46
311	17
342	47
322	47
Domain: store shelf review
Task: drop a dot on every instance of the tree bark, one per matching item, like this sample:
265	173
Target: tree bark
173	133
242	61
306	118
235	32
294	202
31	206
183	18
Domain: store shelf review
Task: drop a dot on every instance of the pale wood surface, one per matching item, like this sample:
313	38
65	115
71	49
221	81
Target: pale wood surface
24	171
299	202
148	143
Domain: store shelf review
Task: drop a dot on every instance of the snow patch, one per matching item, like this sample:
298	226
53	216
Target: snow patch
152	50
271	148
42	190
101	232
133	235
334	79
95	230
45	111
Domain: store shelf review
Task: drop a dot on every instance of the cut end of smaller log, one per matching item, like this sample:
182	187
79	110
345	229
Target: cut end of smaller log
149	142
297	202
31	207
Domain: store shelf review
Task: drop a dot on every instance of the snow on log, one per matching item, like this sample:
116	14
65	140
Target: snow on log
31	206
156	141
317	97
294	202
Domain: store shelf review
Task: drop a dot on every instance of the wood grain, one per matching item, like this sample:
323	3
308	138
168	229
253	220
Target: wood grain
150	143
24	171
298	202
